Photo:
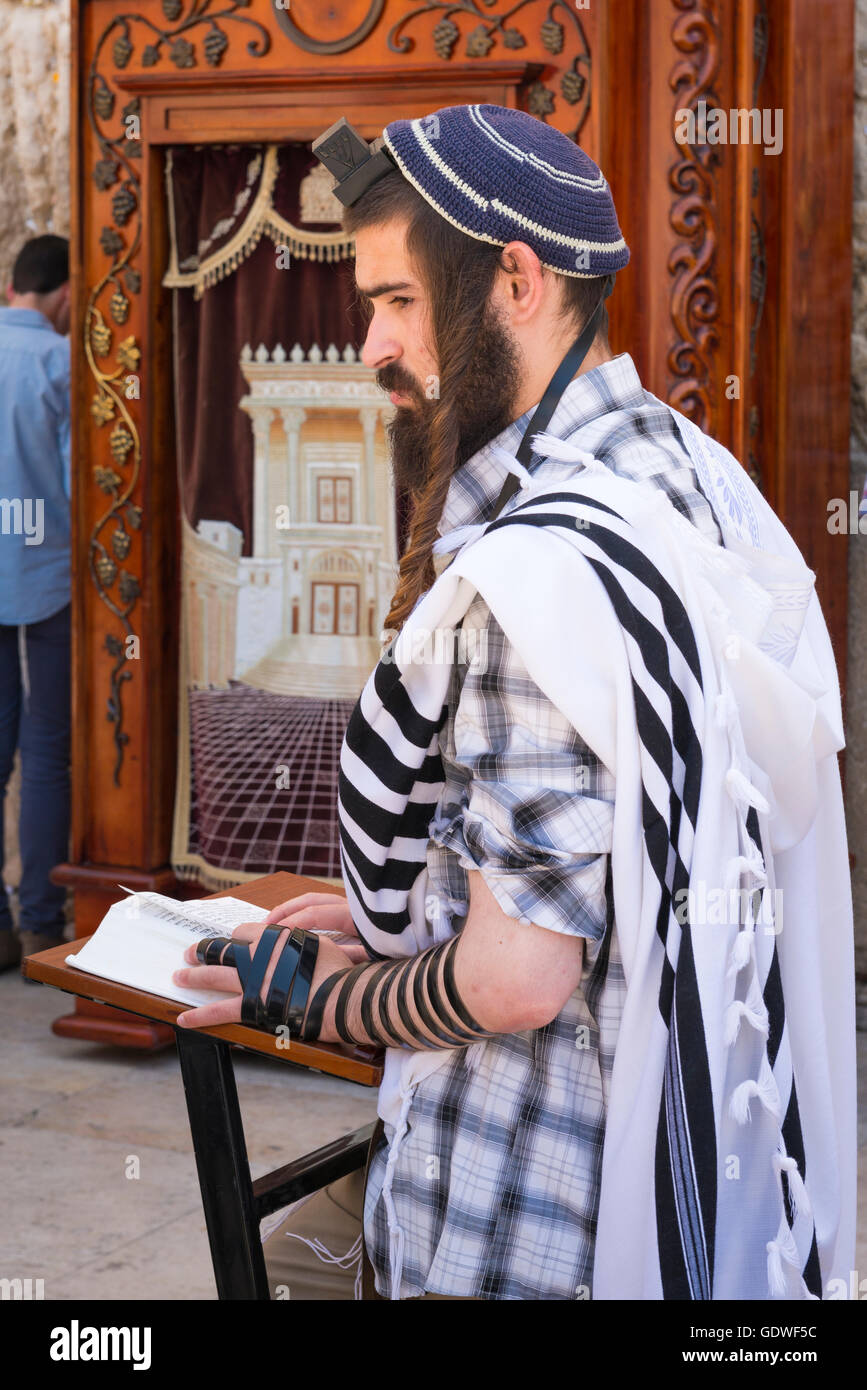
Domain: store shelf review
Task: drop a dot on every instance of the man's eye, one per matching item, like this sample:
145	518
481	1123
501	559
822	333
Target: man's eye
401	300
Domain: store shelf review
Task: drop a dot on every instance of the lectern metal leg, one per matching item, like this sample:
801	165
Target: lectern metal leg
223	1166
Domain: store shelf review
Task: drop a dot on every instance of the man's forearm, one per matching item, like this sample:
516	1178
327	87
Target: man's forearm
415	1002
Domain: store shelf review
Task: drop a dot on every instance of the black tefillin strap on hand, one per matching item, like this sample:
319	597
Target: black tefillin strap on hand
289	989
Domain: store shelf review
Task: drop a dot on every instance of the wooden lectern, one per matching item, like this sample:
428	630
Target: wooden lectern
234	1204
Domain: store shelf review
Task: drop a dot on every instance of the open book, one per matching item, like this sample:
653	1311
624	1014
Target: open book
141	941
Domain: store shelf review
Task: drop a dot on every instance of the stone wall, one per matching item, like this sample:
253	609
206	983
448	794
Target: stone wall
34	125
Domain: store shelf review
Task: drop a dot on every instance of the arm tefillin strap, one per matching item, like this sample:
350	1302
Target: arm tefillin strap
286	999
400	1002
414	1001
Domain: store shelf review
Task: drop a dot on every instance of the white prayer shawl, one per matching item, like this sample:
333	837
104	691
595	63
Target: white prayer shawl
728	1167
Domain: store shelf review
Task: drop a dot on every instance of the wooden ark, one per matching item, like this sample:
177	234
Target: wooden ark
735	306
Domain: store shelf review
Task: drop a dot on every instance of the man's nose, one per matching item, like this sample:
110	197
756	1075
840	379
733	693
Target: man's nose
379	349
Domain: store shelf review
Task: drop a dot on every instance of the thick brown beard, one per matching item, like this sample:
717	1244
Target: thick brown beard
484	401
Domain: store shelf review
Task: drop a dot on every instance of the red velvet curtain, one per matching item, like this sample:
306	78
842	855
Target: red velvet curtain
310	302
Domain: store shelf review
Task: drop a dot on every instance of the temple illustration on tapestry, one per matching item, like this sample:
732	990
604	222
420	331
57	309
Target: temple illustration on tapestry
301	615
289	519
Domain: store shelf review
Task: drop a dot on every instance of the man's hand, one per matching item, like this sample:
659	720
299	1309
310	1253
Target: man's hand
331	958
315	912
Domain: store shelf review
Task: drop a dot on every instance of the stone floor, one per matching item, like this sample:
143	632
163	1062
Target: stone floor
73	1115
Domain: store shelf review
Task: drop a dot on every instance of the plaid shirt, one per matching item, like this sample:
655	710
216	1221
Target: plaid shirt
496	1183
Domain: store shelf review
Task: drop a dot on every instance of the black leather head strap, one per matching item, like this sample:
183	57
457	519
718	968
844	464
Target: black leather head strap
549	402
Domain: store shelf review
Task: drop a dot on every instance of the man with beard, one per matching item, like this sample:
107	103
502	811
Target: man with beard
484	399
489	961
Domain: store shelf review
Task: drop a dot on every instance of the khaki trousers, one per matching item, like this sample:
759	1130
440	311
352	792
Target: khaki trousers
332	1219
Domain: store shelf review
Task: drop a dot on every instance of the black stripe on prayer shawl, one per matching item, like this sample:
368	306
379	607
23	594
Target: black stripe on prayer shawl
794	1141
686	1146
686	1182
383	827
686	1187
652	732
379	824
659	833
416	728
655	656
630	558
394	774
772	995
564	497
397	875
392	923
773	1000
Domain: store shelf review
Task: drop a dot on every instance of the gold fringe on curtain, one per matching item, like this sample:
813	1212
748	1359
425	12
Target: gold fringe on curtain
262	219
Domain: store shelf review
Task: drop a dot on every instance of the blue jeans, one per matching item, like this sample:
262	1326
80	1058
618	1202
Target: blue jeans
39	725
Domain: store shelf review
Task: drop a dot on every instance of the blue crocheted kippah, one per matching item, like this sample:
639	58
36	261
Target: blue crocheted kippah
502	175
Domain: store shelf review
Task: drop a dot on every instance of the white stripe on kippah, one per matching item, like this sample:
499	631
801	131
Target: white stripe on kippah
408	174
559	237
471	231
527	156
440	164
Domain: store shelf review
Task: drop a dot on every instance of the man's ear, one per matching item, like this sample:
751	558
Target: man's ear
522	279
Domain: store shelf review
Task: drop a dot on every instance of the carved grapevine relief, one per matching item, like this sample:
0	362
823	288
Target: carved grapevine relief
492	29
194	34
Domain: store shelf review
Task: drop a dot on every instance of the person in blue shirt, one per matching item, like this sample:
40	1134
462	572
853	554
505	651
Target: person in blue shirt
35	584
